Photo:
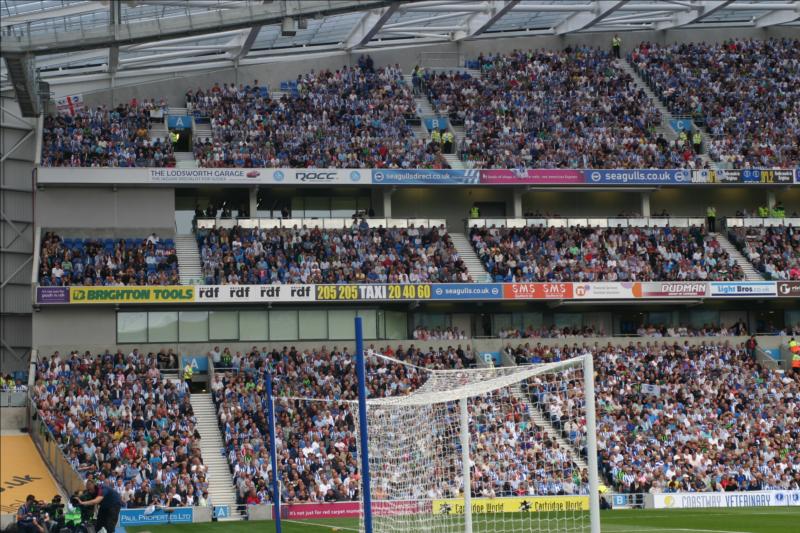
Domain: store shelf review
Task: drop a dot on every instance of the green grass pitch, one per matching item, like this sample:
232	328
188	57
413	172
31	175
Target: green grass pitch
750	520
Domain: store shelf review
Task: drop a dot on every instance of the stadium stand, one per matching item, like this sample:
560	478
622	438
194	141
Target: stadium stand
585	254
775	251
744	91
716	420
131	261
302	255
117	419
354	117
103	137
554	109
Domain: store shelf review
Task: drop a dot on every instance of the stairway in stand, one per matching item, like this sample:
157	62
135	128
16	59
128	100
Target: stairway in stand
470	258
666	115
189	265
750	272
221	490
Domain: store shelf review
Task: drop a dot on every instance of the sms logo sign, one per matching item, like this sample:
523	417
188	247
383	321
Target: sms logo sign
355	176
278	175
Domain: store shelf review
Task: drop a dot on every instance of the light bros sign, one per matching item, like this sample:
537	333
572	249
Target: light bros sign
703	500
743	288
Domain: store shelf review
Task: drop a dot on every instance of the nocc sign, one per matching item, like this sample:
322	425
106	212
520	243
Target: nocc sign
322	176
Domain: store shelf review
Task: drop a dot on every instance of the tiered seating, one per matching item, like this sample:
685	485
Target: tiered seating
552	109
351	118
717	421
316	439
102	137
117	418
745	91
775	251
131	261
302	255
603	254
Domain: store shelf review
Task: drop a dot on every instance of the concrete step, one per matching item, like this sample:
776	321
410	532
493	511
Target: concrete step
750	271
470	258
221	489
191	267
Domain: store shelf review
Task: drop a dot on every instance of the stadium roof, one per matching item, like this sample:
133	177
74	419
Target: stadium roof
127	38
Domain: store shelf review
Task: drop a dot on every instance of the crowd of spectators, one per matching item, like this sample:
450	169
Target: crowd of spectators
9	383
710	418
109	262
745	91
422	333
603	254
774	250
551	332
353	117
316	440
554	109
118	420
357	255
106	137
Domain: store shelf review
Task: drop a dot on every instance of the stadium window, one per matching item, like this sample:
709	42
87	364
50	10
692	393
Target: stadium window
314	325
253	325
395	325
223	325
131	327
342	207
369	323
283	325
162	326
341	325
193	326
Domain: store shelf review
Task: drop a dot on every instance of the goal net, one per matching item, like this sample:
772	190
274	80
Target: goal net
507	449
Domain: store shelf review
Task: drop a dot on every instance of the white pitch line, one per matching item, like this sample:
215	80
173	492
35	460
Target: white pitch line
338	528
670	529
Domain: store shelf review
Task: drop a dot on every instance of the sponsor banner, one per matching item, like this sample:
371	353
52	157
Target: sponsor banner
638	177
532	504
537	291
22	472
71	104
275	176
466	291
607	290
422	176
254	293
221	511
324	511
652	390
355	293
743	288
492	358
132	294
673	289
789	288
142	517
52	295
179	122
558	176
703	500
743	176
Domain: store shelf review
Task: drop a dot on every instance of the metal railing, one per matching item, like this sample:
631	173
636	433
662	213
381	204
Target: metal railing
637	222
64	473
322	223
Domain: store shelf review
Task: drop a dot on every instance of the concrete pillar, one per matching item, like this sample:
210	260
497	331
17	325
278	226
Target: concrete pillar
517	211
387	202
770	199
646	204
253	204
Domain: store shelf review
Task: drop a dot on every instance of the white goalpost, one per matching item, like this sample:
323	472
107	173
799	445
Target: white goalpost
509	449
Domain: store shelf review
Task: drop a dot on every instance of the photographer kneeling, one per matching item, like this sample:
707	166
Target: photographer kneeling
110	504
27	516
